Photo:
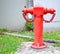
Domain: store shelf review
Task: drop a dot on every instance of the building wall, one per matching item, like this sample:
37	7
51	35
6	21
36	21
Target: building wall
55	25
11	14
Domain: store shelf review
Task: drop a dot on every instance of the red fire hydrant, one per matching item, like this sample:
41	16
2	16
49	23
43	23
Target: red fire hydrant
38	11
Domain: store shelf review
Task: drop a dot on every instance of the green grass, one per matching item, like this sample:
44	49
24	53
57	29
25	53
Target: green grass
57	45
26	33
54	35
3	30
9	44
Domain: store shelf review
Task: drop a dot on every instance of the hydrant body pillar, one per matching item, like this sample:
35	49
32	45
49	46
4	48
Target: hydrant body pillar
38	32
38	28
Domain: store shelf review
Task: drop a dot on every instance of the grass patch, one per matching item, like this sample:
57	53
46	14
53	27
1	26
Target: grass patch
57	45
9	44
26	33
3	30
47	35
52	35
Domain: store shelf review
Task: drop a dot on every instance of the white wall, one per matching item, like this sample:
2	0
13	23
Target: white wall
51	4
11	14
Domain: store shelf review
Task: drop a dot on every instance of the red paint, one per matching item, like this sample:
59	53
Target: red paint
38	11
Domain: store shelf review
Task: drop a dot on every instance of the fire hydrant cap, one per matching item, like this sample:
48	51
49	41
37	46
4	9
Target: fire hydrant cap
38	5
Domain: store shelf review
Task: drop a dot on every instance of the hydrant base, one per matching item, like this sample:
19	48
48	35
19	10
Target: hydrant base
38	45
